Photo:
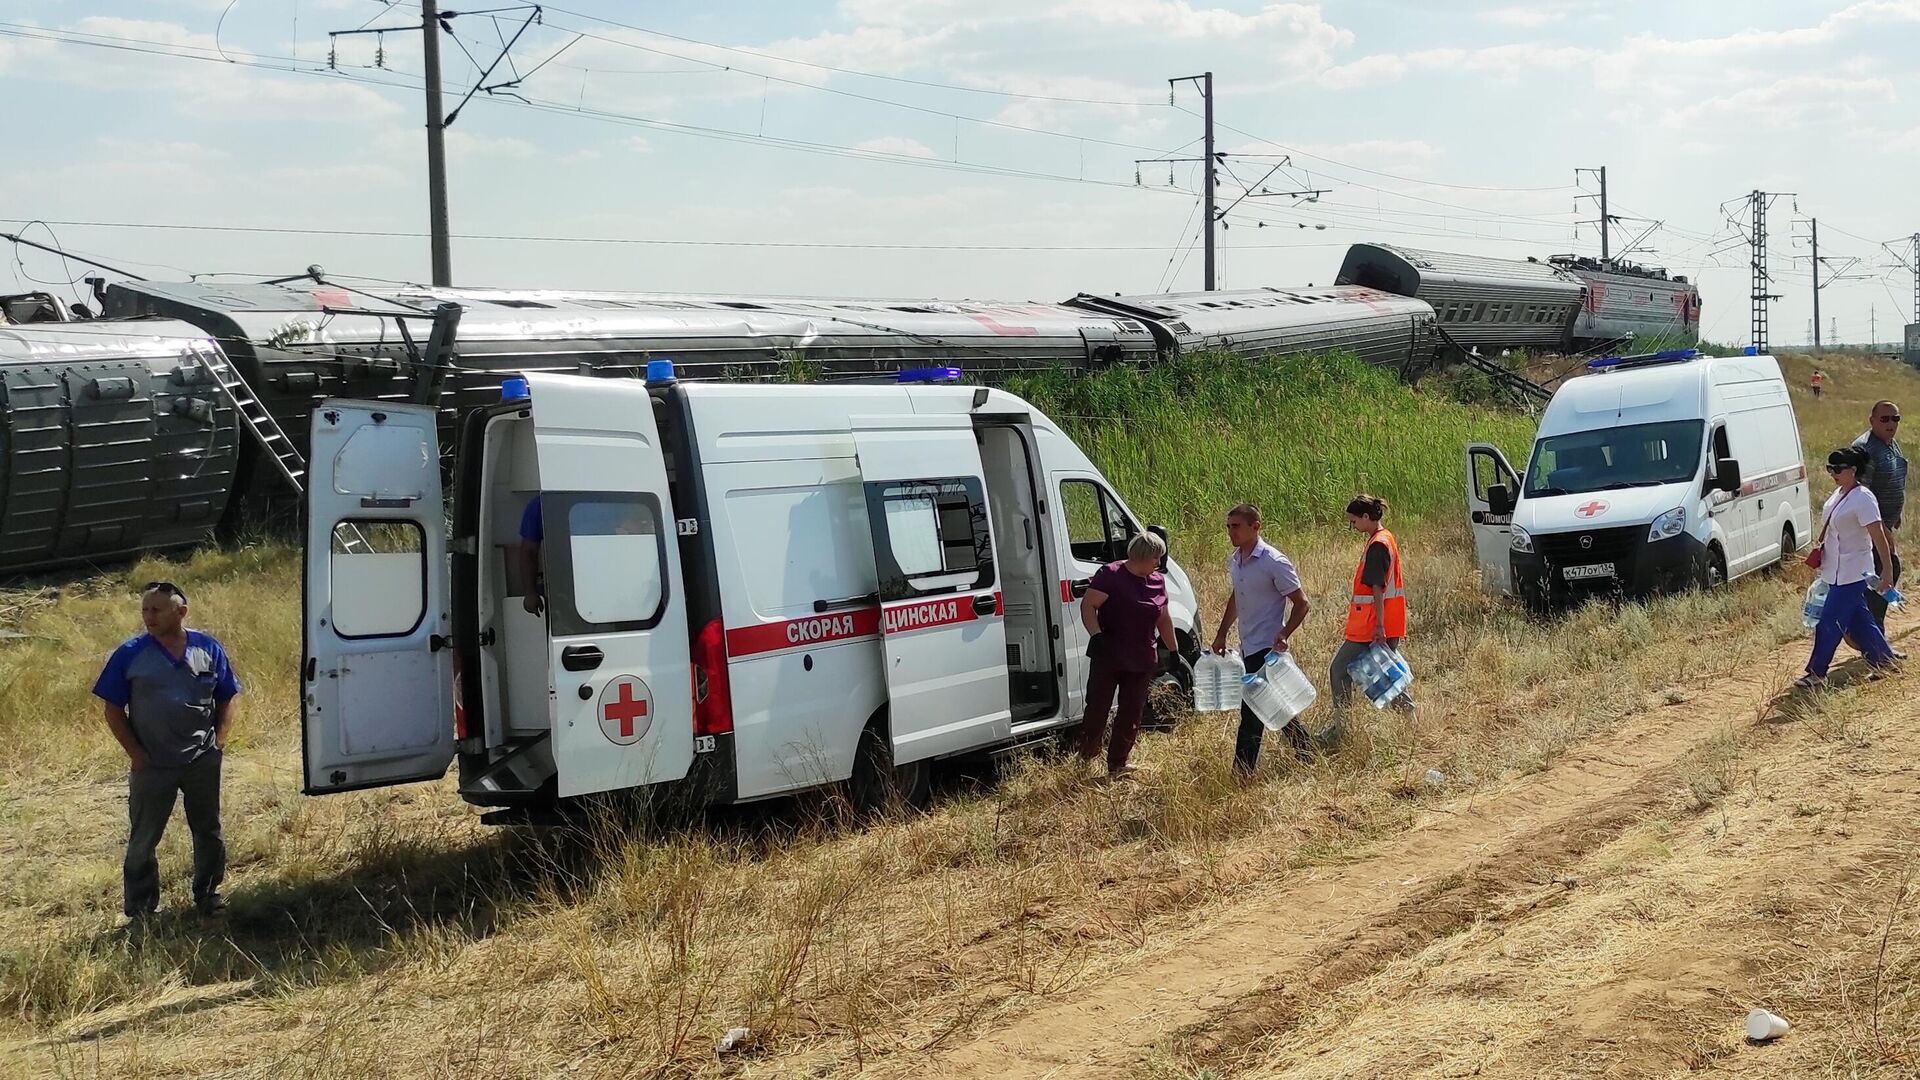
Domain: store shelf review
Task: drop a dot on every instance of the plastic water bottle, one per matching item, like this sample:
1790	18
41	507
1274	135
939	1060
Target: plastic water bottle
1815	603
1894	599
1216	681
1382	674
1278	692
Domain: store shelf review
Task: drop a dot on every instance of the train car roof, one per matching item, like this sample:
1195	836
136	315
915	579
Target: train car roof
1379	265
40	343
1265	308
323	312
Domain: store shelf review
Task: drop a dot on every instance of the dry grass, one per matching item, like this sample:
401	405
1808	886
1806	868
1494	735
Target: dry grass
387	934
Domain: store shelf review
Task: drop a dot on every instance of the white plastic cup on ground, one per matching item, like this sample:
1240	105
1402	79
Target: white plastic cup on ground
1763	1025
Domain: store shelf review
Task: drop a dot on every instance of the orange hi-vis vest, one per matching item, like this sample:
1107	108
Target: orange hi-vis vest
1360	615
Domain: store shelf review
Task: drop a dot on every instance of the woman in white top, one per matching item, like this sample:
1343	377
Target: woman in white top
1850	535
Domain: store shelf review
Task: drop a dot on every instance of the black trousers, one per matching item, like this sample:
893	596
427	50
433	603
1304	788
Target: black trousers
151	793
1246	746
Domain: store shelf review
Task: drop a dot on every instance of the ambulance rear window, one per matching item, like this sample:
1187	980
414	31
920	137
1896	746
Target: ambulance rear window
612	573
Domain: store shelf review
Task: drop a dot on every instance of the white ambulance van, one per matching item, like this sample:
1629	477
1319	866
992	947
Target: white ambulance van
1650	473
748	589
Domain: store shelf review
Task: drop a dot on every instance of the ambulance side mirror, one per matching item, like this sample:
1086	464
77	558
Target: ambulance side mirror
1161	532
1500	500
1726	475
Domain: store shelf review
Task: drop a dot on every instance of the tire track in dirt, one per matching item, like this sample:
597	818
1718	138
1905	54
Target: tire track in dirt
1249	969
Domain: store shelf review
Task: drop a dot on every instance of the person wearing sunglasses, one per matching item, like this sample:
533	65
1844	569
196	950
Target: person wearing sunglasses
1886	477
169	696
1851	534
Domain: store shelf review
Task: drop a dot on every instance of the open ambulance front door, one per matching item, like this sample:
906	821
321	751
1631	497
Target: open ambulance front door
376	678
618	650
1487	468
940	620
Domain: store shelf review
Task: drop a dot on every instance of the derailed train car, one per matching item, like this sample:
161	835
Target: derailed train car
293	344
1490	304
114	439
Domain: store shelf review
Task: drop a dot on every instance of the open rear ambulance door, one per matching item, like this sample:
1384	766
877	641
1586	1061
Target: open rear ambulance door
1492	533
619	653
940	621
376	693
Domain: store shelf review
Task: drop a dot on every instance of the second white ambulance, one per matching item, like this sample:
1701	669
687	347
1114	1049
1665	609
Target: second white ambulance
748	589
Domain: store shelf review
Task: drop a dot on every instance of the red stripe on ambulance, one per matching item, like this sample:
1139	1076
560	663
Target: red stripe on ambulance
795	633
768	637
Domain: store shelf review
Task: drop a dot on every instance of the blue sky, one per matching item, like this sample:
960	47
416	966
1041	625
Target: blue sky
1455	126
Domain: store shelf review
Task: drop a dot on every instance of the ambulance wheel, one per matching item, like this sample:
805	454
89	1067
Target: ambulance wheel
1713	572
1787	546
877	784
1170	693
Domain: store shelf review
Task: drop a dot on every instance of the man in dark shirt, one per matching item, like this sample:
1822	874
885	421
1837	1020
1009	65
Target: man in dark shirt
169	703
1886	477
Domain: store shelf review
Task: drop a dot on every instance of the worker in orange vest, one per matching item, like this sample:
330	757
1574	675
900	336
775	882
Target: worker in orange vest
1819	381
1378	612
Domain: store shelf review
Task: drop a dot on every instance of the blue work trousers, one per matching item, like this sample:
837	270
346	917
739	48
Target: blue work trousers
1846	614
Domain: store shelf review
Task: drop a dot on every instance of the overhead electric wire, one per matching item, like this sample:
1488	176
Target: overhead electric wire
699	131
531	238
852	71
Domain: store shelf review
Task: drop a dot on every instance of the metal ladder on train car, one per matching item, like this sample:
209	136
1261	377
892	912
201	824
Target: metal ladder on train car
258	422
266	431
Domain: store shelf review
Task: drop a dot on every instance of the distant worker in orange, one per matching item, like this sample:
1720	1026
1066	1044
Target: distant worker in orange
1819	381
1378	613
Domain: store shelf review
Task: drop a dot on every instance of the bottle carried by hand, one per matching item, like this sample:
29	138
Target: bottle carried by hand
1216	681
1382	674
1278	692
1815	603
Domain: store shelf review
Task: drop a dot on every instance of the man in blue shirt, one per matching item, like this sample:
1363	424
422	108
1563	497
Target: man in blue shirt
1267	602
169	702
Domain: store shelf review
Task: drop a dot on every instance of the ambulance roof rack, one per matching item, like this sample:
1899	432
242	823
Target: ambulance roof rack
1665	356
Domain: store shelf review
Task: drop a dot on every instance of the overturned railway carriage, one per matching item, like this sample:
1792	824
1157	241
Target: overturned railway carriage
114	439
298	344
1378	327
1479	302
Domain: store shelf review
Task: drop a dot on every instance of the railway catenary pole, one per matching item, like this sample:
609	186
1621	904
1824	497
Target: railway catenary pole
1756	235
1813	233
436	146
1606	220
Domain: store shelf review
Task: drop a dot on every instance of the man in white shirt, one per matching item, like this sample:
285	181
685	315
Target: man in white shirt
1851	537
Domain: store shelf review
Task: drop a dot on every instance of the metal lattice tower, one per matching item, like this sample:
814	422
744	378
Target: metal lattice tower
1760	295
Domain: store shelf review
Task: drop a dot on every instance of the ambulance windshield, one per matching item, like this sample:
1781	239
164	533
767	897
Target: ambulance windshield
1638	455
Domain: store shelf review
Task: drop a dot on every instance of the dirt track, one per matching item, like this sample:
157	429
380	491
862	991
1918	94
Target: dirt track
1613	915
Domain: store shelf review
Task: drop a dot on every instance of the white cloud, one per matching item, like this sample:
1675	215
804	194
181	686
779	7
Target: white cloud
638	144
1497	62
896	145
1526	17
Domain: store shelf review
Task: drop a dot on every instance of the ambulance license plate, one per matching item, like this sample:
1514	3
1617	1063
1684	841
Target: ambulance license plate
1581	573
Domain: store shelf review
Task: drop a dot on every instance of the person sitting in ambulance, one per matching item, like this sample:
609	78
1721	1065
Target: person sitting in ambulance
587	517
1124	609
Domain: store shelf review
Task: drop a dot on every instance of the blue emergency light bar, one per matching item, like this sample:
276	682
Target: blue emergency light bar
1667	356
660	371
929	375
514	388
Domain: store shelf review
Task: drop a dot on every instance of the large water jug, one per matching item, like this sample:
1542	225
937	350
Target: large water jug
1216	681
1278	692
1815	603
1382	674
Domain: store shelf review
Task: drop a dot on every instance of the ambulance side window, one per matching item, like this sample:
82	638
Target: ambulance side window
934	536
606	561
1097	529
379	574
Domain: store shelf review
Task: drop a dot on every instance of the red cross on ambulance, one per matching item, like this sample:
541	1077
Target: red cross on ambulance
626	710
